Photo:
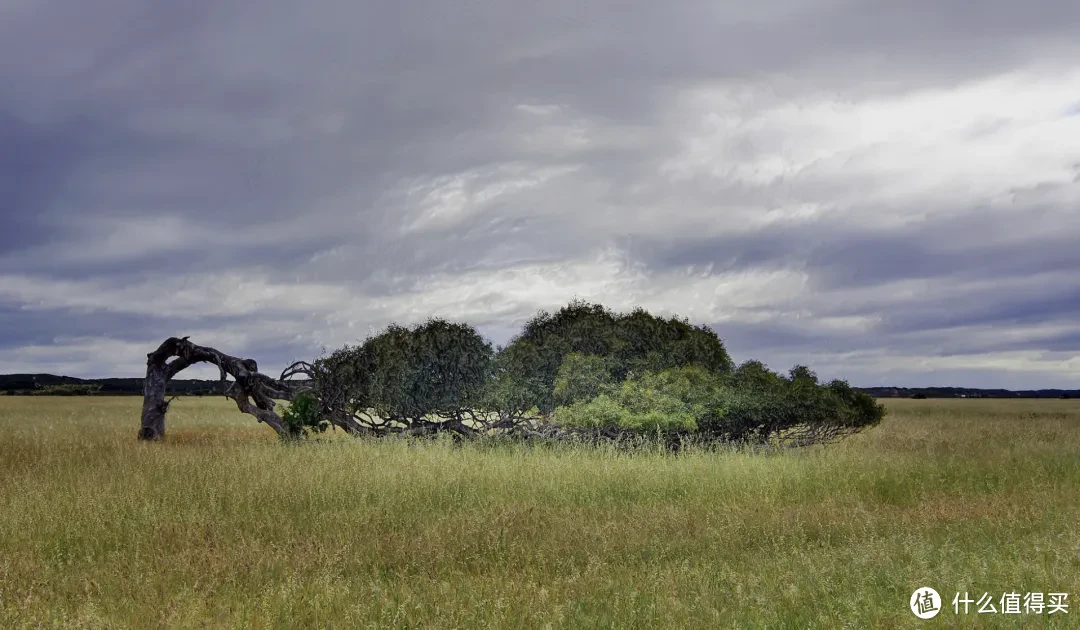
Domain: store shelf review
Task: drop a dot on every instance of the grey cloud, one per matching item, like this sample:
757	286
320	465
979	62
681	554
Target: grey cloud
36	165
839	255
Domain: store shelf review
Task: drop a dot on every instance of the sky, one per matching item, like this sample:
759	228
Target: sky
887	191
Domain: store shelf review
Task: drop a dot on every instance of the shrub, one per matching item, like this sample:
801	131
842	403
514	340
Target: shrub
716	407
797	410
672	402
631	407
757	376
582	377
530	363
303	415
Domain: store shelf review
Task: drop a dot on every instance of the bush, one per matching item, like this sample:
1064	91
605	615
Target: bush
757	376
303	415
715	407
797	410
582	377
632	407
672	402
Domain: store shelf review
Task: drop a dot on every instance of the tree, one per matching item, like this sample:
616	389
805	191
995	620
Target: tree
635	342
425	379
646	342
582	371
755	375
530	362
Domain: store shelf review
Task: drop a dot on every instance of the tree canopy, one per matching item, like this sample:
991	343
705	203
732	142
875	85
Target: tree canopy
586	371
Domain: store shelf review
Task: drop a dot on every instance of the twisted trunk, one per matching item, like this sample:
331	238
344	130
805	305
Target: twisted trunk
253	392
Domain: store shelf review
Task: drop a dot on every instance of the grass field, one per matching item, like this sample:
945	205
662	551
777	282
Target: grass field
222	526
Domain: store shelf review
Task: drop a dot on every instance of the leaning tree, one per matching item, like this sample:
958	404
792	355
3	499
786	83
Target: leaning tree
580	372
253	391
424	380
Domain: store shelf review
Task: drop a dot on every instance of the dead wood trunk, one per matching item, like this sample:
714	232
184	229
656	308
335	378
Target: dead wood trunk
253	392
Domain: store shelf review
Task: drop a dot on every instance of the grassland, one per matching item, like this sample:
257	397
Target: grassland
222	526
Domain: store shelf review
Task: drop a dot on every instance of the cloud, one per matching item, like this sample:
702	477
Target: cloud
884	192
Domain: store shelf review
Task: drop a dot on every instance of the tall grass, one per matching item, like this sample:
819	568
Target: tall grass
224	526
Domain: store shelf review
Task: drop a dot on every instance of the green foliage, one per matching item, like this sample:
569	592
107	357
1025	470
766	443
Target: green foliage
303	416
511	390
632	409
585	367
672	401
344	377
802	376
763	407
582	377
755	375
717	407
634	342
529	365
648	343
436	368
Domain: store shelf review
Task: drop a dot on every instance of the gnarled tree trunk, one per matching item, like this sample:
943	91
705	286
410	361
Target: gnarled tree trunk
253	392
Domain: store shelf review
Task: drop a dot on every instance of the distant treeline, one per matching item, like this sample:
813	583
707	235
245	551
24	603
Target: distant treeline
964	392
51	385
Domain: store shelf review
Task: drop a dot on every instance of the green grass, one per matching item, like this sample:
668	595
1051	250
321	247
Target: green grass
223	526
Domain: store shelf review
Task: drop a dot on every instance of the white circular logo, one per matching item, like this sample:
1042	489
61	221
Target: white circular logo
925	603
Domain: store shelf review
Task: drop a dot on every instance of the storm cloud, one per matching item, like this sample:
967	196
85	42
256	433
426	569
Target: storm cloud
886	191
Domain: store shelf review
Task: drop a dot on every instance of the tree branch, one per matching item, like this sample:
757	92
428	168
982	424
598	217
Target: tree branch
176	354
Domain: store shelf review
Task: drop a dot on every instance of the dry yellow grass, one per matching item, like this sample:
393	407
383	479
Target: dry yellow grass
223	526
